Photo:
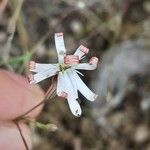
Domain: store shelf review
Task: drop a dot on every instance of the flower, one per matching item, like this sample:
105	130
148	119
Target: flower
68	81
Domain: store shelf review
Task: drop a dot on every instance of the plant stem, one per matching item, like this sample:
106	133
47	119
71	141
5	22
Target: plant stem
21	134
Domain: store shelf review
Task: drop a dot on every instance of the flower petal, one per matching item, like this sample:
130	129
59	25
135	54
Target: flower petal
87	66
65	84
60	47
43	75
72	94
74	106
73	81
84	66
38	67
60	84
69	85
81	51
85	91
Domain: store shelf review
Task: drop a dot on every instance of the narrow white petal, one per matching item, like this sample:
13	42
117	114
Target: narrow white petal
69	86
43	75
64	84
43	67
72	80
60	84
81	51
82	87
71	90
60	47
74	106
84	66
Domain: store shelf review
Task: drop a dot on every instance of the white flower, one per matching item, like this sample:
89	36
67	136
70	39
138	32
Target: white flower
69	82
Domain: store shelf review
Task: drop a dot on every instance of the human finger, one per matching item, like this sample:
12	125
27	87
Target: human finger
17	96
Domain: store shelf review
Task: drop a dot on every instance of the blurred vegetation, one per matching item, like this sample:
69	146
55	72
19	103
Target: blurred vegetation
26	32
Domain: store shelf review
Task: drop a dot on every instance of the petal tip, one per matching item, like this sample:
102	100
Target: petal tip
93	61
59	34
95	97
63	94
77	113
31	79
32	82
84	49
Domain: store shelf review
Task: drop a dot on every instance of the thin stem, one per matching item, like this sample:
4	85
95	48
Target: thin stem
22	136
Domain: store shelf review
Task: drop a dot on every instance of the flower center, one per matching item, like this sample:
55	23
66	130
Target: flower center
63	67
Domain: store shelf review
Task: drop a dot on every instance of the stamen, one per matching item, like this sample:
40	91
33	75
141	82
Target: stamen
79	73
82	57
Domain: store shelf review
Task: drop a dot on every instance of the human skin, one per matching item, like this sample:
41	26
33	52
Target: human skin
16	97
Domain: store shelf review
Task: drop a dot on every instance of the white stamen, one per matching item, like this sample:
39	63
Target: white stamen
79	73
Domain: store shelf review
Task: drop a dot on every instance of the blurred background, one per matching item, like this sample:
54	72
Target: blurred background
118	33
